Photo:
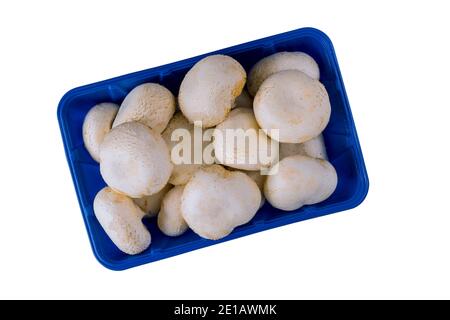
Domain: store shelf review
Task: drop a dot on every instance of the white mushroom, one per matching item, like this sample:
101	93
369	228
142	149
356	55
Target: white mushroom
281	61
150	104
295	104
300	180
314	148
216	200
209	89
121	219
182	172
243	101
151	204
96	125
239	143
170	219
135	160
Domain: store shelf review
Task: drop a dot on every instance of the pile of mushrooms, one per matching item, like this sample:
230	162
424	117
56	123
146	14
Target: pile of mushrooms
134	142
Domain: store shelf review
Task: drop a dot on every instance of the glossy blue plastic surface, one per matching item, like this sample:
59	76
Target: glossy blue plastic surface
340	138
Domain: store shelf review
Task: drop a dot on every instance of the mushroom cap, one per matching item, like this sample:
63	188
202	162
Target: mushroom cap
209	89
295	104
300	180
134	160
96	125
314	148
216	200
121	219
151	204
243	101
181	173
281	61
170	219
150	104
244	156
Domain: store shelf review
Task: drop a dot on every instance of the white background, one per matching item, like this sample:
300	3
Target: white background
394	57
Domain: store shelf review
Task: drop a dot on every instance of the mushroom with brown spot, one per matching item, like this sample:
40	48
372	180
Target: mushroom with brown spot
209	89
281	61
150	104
121	219
294	104
96	125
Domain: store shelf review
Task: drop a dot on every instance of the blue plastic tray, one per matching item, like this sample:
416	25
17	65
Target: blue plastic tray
340	138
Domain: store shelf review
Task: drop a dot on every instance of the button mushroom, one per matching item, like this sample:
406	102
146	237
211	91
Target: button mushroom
96	125
182	172
300	180
170	219
209	89
216	200
151	204
239	143
149	103
135	160
295	104
281	61
314	148
121	219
